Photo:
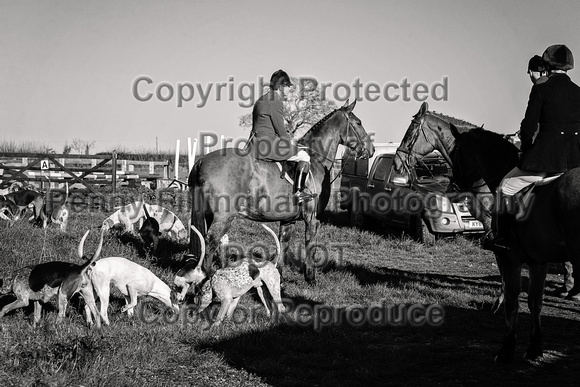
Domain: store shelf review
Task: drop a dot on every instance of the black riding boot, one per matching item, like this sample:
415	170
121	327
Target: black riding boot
300	183
503	220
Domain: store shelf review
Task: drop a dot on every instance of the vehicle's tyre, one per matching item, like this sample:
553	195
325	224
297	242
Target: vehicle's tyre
421	232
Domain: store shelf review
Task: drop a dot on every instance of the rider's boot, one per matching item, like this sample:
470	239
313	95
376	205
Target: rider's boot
300	194
496	239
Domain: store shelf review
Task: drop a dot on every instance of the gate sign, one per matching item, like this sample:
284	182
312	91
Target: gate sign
44	164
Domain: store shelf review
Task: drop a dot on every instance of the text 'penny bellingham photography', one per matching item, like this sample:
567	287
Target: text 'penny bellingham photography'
145	89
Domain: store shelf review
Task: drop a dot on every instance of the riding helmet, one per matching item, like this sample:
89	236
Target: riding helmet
559	57
279	78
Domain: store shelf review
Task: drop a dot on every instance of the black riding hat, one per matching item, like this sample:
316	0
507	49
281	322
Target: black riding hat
279	78
559	57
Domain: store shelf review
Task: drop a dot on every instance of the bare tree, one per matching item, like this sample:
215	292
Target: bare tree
303	107
82	146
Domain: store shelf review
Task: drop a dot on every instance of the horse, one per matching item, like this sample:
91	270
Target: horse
430	131
548	233
230	183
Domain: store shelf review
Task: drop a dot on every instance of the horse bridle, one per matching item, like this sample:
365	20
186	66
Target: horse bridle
356	135
348	130
409	148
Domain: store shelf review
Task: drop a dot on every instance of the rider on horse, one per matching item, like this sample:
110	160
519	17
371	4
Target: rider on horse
269	139
554	112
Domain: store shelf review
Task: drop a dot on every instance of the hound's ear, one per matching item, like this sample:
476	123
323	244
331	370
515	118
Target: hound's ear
454	130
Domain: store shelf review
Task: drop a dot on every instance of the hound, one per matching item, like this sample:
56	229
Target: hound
56	213
15	186
149	232
131	279
8	209
42	282
227	285
133	213
18	201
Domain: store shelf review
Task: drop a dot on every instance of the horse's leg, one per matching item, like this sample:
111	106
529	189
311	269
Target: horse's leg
480	207
500	299
220	226
511	277
310	231
285	235
535	297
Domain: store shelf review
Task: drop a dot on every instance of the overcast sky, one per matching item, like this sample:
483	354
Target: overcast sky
68	68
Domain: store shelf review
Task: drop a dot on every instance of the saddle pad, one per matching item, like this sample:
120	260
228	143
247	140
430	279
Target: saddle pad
287	177
548	179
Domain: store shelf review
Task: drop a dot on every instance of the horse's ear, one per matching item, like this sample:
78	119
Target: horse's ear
350	107
454	130
423	109
345	104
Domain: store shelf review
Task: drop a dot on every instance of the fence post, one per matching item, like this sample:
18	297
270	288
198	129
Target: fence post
114	172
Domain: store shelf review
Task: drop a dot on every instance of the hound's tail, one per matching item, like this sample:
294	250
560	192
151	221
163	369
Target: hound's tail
197	211
277	258
95	256
74	283
146	212
201	244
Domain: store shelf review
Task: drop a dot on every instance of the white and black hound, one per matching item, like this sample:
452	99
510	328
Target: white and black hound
42	282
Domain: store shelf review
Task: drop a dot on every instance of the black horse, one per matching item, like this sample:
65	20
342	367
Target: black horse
549	233
229	183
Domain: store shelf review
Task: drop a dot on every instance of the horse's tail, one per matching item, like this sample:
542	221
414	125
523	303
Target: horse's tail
197	210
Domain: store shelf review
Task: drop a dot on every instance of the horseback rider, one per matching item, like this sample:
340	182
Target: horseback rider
554	112
537	70
269	139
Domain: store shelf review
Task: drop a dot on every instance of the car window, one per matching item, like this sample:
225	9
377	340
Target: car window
362	167
432	169
348	165
383	165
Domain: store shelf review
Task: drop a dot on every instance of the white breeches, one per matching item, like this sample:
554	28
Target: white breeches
300	156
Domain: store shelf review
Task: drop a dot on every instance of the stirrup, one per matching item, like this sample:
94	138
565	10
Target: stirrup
302	196
493	243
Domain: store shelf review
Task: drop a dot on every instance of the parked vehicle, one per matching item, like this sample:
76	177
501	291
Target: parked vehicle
417	204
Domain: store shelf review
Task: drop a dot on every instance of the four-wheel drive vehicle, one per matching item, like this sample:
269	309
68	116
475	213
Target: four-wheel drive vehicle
417	204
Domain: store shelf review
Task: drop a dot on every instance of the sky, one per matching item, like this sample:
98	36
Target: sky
103	70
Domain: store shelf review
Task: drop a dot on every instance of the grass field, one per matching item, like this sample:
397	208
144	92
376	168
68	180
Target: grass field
372	269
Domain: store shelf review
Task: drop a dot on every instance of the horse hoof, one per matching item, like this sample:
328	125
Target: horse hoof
496	306
533	354
310	277
310	280
503	357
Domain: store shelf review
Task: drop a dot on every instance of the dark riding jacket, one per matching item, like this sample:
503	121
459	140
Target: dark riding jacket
269	139
555	106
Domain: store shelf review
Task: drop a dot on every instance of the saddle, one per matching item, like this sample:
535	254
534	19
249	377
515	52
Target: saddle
287	170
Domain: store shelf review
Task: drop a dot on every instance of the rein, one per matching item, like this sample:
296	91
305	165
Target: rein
360	141
348	132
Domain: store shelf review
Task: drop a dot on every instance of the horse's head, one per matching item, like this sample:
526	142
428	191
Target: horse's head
340	126
426	133
354	135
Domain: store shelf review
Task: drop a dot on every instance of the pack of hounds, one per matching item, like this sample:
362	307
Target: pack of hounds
93	278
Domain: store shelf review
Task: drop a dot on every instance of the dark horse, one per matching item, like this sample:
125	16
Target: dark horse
230	183
549	232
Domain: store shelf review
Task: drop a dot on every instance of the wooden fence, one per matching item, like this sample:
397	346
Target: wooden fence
91	171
